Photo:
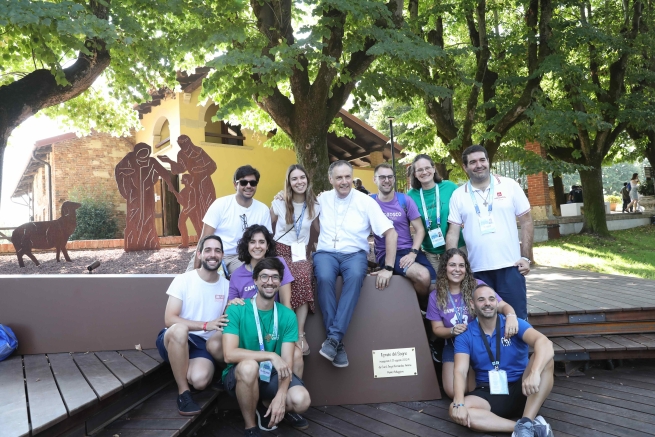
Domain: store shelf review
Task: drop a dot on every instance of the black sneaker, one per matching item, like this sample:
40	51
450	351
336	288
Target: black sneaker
186	406
341	359
263	422
252	432
329	348
296	421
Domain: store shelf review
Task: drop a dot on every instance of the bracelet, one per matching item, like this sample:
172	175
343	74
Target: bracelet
204	327
457	405
452	331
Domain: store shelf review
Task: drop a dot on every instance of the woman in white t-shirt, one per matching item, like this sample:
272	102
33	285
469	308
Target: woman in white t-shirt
292	219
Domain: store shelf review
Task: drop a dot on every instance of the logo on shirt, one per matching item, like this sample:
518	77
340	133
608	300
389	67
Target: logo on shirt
219	297
249	287
506	341
393	214
499	195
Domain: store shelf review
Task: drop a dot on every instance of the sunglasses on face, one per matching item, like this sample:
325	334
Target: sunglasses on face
244	182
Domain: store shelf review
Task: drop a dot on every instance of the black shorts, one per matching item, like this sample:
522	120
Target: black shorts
267	390
507	406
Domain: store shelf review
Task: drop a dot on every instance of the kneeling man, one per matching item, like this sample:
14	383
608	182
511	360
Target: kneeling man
191	342
508	383
258	344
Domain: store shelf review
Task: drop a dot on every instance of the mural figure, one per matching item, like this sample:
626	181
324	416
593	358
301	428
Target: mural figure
199	191
136	175
46	235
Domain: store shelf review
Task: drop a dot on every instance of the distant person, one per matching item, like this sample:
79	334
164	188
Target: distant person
634	195
359	187
625	195
575	195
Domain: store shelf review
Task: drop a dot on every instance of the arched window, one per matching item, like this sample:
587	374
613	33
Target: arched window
165	136
221	132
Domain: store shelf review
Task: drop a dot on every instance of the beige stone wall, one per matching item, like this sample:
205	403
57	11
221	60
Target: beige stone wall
40	193
87	161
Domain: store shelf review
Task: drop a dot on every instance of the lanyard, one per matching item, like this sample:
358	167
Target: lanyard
298	222
491	195
437	207
496	363
459	312
258	323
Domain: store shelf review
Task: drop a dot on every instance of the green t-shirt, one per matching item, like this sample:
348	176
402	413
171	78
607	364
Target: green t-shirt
242	323
446	189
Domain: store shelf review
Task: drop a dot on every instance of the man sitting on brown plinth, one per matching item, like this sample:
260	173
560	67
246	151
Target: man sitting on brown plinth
192	339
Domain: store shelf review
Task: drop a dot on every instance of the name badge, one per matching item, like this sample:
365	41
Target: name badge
265	368
498	382
298	252
436	237
487	225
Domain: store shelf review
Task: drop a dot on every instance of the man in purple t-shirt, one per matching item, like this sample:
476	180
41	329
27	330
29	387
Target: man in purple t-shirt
401	210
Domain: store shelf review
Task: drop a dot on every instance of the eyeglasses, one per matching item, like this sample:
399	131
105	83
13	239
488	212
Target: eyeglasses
423	170
265	278
386	178
244	182
244	222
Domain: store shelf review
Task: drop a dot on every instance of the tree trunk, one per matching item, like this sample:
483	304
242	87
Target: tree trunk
310	142
3	146
650	149
558	186
594	218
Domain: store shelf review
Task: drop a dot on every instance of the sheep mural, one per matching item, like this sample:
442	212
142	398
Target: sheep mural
46	235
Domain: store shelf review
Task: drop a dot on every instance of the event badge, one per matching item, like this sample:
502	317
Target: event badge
298	252
498	382
436	237
265	368
487	225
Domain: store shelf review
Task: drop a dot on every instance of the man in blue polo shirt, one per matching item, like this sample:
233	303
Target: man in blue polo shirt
509	384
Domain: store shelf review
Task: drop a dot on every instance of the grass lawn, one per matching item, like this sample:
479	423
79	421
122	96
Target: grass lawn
631	252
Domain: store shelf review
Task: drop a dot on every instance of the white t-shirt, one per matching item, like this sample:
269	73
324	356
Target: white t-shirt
201	301
501	248
350	221
230	220
280	209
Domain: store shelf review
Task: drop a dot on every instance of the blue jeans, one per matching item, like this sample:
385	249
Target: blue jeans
327	266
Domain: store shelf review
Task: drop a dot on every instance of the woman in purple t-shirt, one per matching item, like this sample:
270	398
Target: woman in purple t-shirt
450	310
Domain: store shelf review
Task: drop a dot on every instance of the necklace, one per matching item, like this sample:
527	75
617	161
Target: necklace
337	228
485	199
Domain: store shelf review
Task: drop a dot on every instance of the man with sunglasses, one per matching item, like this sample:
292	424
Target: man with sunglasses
402	211
229	216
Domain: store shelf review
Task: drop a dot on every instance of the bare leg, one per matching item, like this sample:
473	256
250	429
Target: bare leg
301	316
482	419
200	373
298	362
247	389
447	378
215	345
536	400
297	400
176	343
420	277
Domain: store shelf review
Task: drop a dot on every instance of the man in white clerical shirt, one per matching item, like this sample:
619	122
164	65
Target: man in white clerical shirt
347	218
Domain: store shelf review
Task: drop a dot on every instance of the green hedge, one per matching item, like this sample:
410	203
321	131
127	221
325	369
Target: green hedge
95	218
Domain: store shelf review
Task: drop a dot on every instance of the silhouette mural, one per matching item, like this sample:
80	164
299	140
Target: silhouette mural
136	176
46	235
199	192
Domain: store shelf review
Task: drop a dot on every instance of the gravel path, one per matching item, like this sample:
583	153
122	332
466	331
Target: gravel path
112	261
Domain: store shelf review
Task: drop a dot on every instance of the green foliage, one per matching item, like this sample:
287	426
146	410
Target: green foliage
647	188
95	218
613	199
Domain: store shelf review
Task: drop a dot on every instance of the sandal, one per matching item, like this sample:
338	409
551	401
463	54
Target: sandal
304	347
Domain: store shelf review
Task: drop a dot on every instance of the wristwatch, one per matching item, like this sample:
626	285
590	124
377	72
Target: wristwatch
388	268
415	251
527	259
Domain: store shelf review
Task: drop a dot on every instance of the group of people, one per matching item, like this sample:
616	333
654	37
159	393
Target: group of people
463	259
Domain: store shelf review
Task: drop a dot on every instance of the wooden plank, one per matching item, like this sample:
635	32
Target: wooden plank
74	389
45	403
598	428
567	345
428	415
13	401
120	367
102	381
156	424
154	354
374	426
605	401
395	421
607	343
587	343
336	424
629	344
600	386
138	433
142	361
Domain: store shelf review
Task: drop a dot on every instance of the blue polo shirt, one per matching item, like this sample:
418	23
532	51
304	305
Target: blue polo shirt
513	355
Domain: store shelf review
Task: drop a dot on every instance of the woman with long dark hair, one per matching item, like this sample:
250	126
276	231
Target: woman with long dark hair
634	194
450	310
292	218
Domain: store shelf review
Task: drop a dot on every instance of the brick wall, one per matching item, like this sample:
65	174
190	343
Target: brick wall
88	161
538	192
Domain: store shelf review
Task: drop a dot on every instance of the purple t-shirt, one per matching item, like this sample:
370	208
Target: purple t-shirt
400	219
242	285
447	316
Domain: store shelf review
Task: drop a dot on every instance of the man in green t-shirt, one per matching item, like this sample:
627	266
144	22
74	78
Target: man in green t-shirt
258	347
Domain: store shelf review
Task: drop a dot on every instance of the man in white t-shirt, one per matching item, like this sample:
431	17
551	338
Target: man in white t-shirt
487	207
194	317
347	218
230	215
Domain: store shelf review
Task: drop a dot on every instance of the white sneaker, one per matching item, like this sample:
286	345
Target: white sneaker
542	428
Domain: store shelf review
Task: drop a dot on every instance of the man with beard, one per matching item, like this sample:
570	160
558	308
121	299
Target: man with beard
508	384
402	211
487	207
259	343
347	219
192	339
229	216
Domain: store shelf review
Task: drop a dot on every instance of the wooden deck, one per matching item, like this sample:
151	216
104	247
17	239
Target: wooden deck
602	403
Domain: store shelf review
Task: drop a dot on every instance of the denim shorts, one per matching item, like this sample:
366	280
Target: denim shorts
448	354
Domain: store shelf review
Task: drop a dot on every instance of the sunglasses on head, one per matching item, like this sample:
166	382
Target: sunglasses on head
244	182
